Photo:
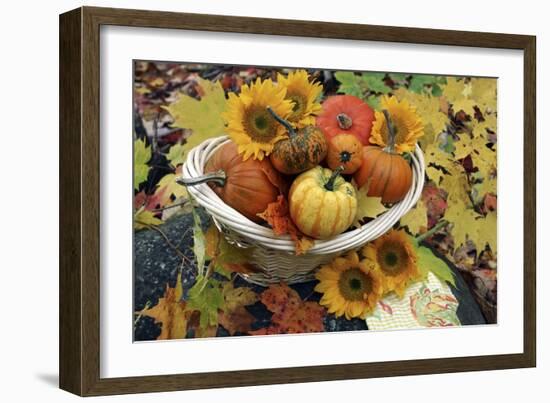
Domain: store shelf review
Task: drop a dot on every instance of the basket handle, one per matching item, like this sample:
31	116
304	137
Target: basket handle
218	177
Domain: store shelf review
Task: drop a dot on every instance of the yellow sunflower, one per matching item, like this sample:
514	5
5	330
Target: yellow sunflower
405	124
349	286
304	94
395	259
249	124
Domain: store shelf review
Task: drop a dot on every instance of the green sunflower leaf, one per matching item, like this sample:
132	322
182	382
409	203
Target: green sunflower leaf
427	262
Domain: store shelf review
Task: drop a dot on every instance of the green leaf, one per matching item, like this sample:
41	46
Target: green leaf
419	81
436	90
398	77
206	297
199	242
375	82
373	102
349	83
142	155
176	155
427	261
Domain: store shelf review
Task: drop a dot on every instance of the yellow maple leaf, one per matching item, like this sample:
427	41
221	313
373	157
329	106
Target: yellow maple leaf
457	186
170	313
454	89
488	231
464	104
463	146
416	219
144	218
429	109
176	155
202	117
464	223
487	185
367	207
167	187
479	129
237	296
457	92
484	92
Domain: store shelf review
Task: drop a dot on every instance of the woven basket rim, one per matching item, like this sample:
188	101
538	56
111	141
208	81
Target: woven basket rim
255	233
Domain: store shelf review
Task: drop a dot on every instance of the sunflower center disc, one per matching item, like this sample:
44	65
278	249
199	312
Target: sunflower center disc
354	284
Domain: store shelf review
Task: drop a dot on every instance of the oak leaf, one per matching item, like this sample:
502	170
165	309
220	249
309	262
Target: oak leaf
278	216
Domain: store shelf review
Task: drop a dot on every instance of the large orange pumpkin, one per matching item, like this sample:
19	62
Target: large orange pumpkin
346	114
345	150
247	186
386	172
300	151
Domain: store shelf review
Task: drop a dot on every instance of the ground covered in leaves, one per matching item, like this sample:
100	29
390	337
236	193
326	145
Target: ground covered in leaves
165	271
177	106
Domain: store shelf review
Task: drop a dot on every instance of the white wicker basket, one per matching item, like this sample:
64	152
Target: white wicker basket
274	255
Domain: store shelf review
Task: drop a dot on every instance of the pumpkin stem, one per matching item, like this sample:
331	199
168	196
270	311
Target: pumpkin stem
286	124
330	183
344	121
218	177
391	132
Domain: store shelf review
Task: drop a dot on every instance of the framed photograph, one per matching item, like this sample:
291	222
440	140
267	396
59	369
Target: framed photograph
249	201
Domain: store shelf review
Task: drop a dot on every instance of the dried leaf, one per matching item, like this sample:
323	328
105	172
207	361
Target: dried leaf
235	318
290	313
278	216
170	312
144	218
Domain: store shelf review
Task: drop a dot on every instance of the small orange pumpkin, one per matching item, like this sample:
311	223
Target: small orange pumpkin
302	150
387	173
346	114
247	186
345	150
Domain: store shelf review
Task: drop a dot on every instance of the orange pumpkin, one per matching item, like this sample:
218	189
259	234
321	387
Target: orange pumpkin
247	186
346	114
387	173
345	150
300	151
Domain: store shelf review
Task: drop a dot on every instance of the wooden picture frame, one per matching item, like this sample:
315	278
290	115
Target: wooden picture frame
80	187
